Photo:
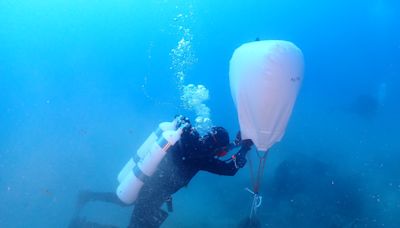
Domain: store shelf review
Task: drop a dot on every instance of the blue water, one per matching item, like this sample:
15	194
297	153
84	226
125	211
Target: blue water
82	84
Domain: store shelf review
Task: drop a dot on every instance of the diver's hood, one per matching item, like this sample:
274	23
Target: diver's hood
265	77
216	139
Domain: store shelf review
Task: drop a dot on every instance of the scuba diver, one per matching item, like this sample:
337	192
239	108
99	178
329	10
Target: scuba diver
186	158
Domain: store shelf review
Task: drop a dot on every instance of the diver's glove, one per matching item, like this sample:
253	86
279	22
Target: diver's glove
238	139
236	142
246	144
240	157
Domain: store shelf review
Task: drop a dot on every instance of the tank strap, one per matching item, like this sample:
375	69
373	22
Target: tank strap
163	143
158	132
140	175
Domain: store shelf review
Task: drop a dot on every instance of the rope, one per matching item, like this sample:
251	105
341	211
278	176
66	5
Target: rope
252	179
256	182
260	173
257	201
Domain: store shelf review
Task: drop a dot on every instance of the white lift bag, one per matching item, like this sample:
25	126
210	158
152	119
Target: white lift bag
265	78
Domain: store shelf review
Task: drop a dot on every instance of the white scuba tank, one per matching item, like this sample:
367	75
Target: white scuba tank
129	188
145	147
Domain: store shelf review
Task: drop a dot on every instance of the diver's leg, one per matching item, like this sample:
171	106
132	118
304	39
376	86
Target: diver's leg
108	197
83	223
147	212
88	196
147	217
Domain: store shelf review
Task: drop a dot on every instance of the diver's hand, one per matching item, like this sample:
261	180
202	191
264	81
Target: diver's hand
240	159
237	140
247	143
240	156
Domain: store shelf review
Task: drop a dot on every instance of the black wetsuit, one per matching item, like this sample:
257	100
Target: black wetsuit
175	171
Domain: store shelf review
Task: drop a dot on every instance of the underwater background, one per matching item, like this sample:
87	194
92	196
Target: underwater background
83	83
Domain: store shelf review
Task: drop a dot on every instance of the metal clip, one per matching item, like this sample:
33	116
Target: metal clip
234	161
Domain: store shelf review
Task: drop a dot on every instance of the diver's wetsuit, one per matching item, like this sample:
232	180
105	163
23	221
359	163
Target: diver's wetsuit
175	171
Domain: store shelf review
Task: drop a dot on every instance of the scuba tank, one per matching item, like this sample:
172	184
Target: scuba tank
145	147
131	184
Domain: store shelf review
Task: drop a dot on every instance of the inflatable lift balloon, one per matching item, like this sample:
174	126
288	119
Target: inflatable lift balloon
265	78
